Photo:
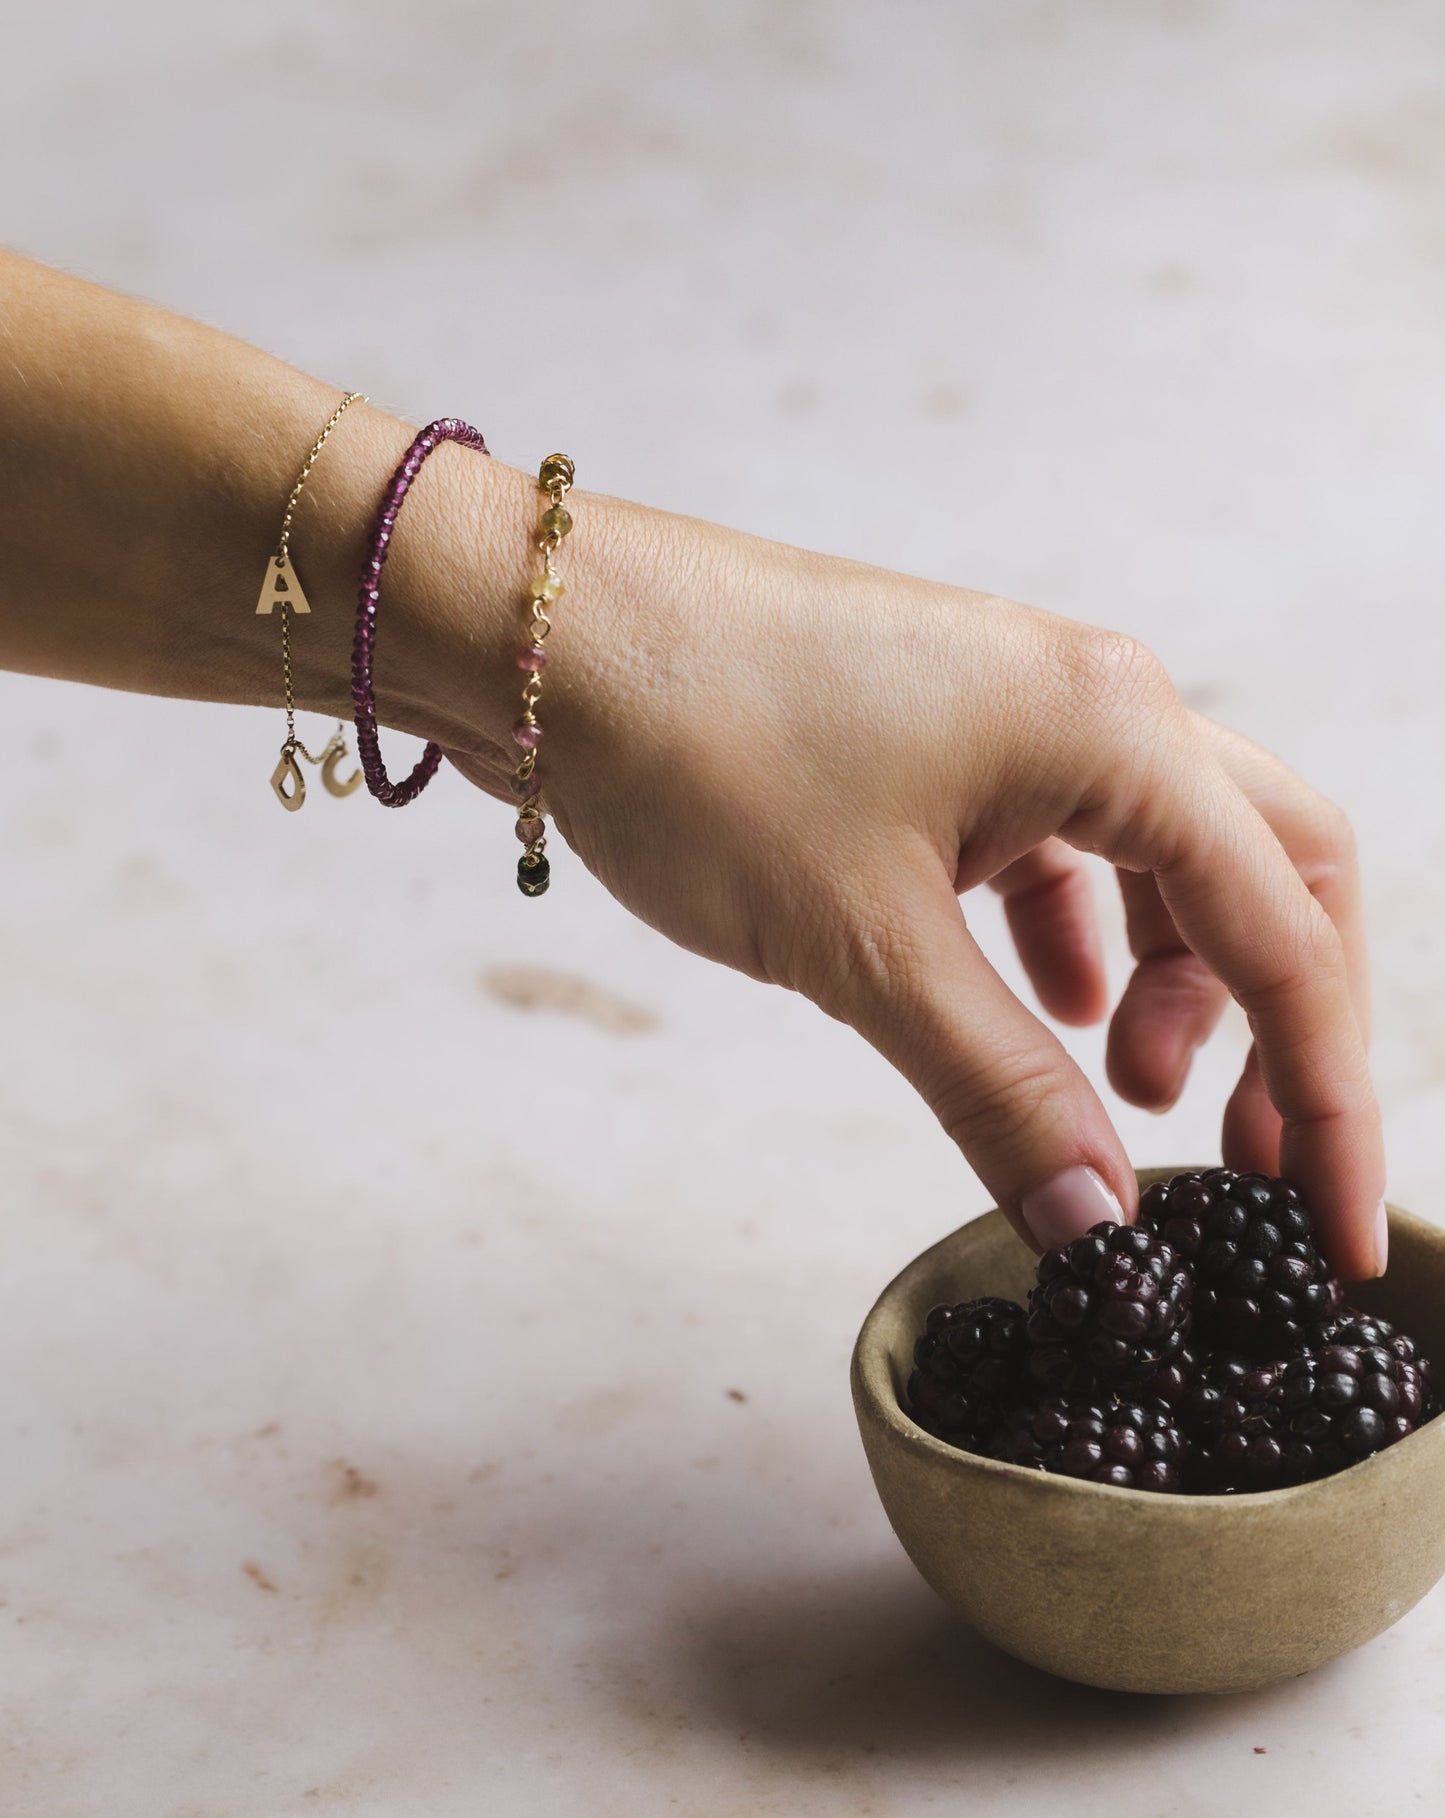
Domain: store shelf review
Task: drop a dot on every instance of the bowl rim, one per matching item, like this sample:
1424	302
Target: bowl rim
873	1383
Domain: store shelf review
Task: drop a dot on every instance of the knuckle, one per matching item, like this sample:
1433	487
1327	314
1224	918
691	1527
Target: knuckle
882	957
1313	957
1332	847
1133	750
1177	987
1117	674
1008	1107
851	957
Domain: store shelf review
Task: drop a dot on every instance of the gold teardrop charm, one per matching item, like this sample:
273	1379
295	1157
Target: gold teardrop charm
282	587
289	770
330	758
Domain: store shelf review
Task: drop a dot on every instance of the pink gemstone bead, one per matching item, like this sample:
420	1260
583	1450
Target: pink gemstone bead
531	829
528	736
523	786
533	657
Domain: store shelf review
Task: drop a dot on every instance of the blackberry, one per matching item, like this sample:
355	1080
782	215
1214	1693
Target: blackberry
1228	1390
1234	1415
1109	1307
1133	1445
1206	1349
1344	1402
1260	1283
968	1367
1356	1328
1171	1382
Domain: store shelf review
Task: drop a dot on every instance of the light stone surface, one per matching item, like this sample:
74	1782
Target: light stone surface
425	1313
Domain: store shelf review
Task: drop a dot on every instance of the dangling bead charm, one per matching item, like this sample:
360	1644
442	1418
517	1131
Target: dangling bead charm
533	874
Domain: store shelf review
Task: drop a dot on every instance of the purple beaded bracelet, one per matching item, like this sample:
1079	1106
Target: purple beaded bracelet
393	795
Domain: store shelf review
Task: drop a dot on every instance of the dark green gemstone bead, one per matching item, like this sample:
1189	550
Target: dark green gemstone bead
533	874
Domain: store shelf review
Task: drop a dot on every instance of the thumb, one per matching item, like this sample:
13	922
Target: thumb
1002	1085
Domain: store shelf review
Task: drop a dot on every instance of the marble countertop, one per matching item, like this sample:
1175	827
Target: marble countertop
425	1314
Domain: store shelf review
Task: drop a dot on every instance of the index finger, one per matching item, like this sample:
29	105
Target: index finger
1239	902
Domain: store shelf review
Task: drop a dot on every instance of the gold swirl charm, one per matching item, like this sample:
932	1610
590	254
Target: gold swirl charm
330	758
282	587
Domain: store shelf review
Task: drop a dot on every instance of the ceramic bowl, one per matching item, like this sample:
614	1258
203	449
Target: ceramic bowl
1141	1592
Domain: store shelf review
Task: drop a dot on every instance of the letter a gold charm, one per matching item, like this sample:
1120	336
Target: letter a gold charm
282	587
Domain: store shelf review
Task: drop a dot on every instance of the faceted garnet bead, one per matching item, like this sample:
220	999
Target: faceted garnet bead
528	734
1260	1283
968	1367
1134	1445
1111	1306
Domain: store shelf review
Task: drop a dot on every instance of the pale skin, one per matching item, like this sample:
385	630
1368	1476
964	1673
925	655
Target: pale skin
789	763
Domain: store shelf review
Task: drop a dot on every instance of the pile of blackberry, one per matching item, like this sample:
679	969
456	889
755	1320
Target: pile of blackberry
1206	1349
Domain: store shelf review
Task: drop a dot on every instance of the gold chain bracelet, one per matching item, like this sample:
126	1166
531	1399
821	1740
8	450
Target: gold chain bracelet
282	587
533	870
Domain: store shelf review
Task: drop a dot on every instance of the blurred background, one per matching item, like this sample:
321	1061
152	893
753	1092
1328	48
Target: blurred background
425	1314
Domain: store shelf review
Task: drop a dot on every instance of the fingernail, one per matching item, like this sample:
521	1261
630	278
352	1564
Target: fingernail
1382	1239
1066	1206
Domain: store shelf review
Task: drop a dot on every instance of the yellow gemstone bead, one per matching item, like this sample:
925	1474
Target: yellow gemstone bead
557	521
547	587
556	470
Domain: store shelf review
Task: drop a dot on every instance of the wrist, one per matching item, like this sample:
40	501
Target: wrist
454	598
450	587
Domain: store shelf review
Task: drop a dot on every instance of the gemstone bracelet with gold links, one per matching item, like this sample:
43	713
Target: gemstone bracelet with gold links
282	587
555	479
533	870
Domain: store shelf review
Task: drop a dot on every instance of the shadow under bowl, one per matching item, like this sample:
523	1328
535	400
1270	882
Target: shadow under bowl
1142	1592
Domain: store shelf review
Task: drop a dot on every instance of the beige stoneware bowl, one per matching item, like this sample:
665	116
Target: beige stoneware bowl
1140	1592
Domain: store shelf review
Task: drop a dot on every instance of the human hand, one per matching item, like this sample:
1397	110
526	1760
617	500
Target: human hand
796	765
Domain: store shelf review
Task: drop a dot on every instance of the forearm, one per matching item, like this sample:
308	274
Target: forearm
145	461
